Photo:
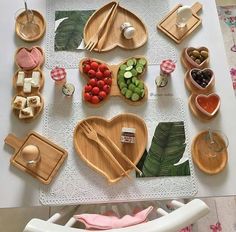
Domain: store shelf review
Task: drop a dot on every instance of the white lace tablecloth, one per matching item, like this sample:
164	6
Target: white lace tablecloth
76	183
151	12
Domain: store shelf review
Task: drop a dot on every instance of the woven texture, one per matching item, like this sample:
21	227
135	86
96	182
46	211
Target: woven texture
156	49
77	183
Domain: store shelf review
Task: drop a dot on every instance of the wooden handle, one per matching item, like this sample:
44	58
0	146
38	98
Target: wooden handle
13	141
196	7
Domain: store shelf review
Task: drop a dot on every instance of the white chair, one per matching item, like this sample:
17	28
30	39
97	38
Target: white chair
183	216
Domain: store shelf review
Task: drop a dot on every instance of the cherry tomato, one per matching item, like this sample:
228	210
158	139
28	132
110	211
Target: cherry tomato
94	65
91	73
95	90
92	82
95	99
87	97
102	94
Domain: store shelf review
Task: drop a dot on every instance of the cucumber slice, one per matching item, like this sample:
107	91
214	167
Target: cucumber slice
139	69
134	61
122	85
128	74
129	68
137	90
134	72
135	97
128	93
131	87
130	62
137	82
123	67
121	79
142	93
134	79
142	61
121	72
141	85
123	91
128	81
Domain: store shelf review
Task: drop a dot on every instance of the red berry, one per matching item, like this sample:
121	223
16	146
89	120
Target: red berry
107	73
95	90
94	65
91	73
95	99
102	67
106	88
100	84
108	81
102	94
86	68
87	96
87	88
99	75
92	82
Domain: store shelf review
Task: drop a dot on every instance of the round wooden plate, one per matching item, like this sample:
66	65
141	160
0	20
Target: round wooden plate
200	155
94	156
38	20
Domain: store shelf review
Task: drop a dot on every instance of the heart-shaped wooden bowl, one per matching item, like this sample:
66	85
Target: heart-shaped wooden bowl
189	63
115	91
115	37
95	157
195	87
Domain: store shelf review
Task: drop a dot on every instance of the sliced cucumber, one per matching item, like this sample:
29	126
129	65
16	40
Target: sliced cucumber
122	85
134	72
123	91
137	82
134	61
137	90
121	72
128	81
128	93
131	87
139	69
130	62
129	68
142	93
128	74
134	79
142	61
141	85
123	67
135	97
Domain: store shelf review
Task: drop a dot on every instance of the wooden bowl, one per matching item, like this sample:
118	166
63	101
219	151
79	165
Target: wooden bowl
95	157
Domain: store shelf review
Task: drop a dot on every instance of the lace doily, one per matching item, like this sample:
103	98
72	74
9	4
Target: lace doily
151	12
76	183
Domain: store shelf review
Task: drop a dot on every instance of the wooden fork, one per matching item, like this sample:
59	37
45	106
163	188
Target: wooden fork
92	134
95	38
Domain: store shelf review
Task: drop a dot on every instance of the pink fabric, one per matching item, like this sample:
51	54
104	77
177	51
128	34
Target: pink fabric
102	222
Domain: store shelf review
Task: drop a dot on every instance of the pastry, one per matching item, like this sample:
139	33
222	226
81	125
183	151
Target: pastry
35	79
19	103
27	85
20	78
26	113
33	101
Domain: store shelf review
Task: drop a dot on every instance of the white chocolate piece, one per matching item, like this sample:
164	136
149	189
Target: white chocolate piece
35	79
26	113
27	85
33	101
184	13
19	103
20	78
128	30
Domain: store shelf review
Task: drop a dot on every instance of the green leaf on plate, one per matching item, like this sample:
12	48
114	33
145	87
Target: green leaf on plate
69	33
167	148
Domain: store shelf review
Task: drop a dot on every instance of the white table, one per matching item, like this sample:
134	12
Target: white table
18	189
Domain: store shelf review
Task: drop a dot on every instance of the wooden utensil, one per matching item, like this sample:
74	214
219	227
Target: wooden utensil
107	29
92	134
101	133
91	44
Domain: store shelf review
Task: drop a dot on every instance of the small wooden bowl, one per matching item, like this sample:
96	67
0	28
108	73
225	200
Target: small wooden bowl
194	87
38	20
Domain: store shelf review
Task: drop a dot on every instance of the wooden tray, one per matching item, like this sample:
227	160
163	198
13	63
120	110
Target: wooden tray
115	91
169	28
38	19
115	37
52	156
193	89
91	153
196	112
209	165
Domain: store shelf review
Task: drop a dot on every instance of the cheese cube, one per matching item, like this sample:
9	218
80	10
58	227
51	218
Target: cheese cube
19	103
26	113
20	78
35	79
33	101
27	85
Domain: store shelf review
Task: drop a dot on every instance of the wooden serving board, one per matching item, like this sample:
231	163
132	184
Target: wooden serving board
169	28
94	156
38	19
115	91
115	37
52	156
200	154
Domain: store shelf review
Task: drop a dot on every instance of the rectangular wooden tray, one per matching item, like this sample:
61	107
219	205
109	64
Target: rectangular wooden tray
52	156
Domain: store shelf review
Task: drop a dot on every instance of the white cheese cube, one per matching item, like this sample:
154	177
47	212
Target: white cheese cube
19	103
26	113
27	85
35	79
33	101
20	78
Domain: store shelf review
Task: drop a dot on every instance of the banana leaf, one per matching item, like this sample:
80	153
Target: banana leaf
69	33
167	148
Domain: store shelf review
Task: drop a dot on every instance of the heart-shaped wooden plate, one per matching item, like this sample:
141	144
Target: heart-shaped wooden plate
195	87
95	157
115	37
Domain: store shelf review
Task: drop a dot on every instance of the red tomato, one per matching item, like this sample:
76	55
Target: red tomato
108	81
91	73
95	99
94	65
100	84
86	68
87	97
95	90
106	88
102	67
92	82
87	88
99	75
107	73
102	94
